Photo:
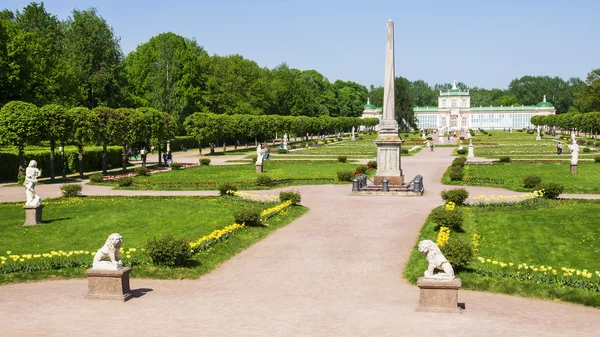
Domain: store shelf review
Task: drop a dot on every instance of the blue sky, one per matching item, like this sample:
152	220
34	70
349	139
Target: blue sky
484	43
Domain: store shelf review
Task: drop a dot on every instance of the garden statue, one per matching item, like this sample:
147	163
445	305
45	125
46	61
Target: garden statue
111	250
259	155
538	137
285	140
353	133
31	175
436	260
574	153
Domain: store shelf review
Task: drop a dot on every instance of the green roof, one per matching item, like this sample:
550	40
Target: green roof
370	107
541	104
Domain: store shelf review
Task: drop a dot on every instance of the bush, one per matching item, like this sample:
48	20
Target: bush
204	161
249	216
504	159
345	175
589	143
263	180
462	151
372	164
362	169
97	178
141	171
586	150
461	137
294	196
168	251
451	219
456	174
429	138
531	181
459	162
551	190
20	179
124	181
404	151
597	159
406	135
456	195
342	159
175	166
71	190
458	252
282	151
226	189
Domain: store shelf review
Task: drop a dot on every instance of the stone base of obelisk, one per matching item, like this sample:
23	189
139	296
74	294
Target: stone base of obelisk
33	215
109	284
573	168
389	149
259	168
438	295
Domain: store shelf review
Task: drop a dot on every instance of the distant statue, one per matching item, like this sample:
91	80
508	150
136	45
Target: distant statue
353	133
436	261
285	141
109	250
574	153
259	155
31	175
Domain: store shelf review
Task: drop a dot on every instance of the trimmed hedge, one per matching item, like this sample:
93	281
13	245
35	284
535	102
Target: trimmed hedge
187	141
92	160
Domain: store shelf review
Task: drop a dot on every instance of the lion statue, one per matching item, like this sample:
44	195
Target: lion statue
111	250
436	260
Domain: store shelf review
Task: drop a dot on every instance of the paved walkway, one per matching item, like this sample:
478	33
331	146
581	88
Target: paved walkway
337	271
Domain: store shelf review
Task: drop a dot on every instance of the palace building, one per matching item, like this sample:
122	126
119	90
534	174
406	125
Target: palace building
454	112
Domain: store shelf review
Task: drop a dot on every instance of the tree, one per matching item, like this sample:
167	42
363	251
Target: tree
530	90
104	131
587	96
422	94
84	122
95	56
57	128
21	124
404	111
162	127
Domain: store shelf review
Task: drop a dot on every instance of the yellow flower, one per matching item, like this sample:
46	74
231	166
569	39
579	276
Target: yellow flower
8	252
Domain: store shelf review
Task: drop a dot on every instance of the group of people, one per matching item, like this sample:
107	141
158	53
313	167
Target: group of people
167	158
137	153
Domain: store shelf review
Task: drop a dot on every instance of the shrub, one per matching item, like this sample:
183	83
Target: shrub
168	251
504	159
490	135
551	190
97	178
458	252
20	179
461	137
362	169
586	150
451	219
226	189
342	159
429	138
589	142
282	151
597	159
71	190
124	181
345	175
404	151
294	196
141	171
264	180
372	164
406	135
249	216
456	195
462	151
204	161
459	162
457	174
175	166
531	181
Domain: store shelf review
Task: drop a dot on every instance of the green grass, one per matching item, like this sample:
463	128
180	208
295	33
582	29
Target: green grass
557	233
585	181
84	224
243	175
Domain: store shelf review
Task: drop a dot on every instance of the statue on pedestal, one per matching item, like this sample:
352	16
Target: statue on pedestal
285	140
31	175
436	261
259	155
353	133
574	153
109	250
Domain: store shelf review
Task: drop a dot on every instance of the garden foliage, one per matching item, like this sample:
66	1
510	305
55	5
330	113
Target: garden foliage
124	181
452	219
458	252
551	190
345	175
226	189
455	195
342	159
531	181
96	178
294	196
168	250
204	161
248	215
70	190
264	180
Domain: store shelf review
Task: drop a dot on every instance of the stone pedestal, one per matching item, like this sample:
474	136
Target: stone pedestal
573	169
389	149
437	295
470	154
33	215
259	168
108	284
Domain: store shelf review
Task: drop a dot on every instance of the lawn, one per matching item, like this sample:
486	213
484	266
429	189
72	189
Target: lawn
510	175
244	176
85	223
549	233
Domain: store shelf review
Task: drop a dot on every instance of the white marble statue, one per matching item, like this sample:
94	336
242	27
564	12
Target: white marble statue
259	155
31	175
423	134
109	250
436	261
574	153
285	141
538	137
353	133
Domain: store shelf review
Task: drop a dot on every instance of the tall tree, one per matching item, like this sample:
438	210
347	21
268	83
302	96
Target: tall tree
21	124
404	111
57	128
84	122
422	94
587	96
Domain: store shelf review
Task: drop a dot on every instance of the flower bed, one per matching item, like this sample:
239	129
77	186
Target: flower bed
150	171
276	181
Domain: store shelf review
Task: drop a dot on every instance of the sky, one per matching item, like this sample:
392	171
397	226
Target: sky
483	43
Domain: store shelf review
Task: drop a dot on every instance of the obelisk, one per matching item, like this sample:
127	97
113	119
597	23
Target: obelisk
388	143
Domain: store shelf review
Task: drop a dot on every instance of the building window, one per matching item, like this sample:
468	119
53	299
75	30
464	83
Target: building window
463	104
443	103
464	122
454	103
453	122
444	122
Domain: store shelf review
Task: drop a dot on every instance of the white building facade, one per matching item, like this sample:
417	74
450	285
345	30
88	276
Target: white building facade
454	112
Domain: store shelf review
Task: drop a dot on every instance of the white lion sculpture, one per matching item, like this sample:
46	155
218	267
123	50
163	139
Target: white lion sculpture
436	260
111	250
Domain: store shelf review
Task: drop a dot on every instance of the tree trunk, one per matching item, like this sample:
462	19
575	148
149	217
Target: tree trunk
52	162
104	159
62	157
200	147
80	148
124	157
224	148
255	141
159	156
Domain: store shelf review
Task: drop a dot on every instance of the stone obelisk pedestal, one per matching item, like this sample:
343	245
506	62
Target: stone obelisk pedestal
109	284
259	168
389	145
573	168
33	215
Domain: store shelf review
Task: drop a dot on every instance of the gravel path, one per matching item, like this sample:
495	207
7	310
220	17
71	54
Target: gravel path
337	271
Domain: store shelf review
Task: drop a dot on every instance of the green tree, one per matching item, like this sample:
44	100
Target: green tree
84	122
587	95
404	111
162	127
21	124
57	129
422	94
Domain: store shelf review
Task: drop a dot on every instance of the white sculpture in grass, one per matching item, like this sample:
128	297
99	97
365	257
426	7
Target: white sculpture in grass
574	152
436	261
31	175
109	250
259	155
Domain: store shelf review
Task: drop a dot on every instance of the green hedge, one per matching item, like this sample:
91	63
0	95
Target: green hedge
187	141
92	160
